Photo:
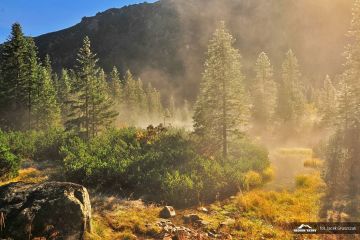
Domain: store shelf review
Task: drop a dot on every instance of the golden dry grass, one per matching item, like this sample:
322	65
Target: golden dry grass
28	175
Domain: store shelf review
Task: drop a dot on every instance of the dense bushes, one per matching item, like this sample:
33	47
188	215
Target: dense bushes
34	145
159	164
9	162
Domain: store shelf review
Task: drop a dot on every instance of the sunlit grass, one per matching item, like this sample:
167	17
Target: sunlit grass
261	214
28	175
124	220
295	151
314	163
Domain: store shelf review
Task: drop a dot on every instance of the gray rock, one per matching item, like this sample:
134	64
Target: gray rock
194	217
203	209
167	212
50	210
202	223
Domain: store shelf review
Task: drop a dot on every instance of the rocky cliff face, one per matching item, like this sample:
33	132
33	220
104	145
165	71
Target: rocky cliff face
50	210
164	42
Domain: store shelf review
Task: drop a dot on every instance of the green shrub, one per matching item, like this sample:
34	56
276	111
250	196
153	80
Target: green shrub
37	145
159	164
9	162
252	179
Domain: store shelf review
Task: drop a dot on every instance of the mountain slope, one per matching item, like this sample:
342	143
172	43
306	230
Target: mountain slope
164	42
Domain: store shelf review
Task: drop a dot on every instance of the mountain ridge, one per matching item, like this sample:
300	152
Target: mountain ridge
165	42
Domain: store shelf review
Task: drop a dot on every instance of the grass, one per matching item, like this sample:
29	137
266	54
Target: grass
257	214
121	219
314	163
295	151
28	175
260	214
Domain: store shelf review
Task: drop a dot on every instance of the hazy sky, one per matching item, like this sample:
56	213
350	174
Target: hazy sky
42	16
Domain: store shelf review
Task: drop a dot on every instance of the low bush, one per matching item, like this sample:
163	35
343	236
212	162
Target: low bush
9	162
160	164
252	179
37	145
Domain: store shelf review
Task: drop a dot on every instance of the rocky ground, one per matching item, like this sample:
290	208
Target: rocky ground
257	214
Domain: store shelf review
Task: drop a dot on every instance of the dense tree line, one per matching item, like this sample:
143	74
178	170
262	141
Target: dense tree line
77	106
85	99
343	153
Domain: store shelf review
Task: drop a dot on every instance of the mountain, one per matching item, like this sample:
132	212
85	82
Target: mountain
165	42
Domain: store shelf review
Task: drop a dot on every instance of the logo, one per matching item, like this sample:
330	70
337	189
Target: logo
303	228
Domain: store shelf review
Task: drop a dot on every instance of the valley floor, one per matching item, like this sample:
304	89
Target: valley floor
265	213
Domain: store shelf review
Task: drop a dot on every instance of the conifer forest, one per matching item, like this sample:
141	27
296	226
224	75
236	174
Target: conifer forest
190	129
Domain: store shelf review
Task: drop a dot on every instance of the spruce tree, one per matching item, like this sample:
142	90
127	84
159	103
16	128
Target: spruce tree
263	92
328	103
291	100
90	109
172	107
130	94
343	155
142	106
63	93
115	85
221	109
46	109
101	106
18	63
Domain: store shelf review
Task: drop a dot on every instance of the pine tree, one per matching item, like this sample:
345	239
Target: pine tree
90	109
172	107
142	106
221	109
343	155
101	112
63	93
32	82
46	109
130	94
18	63
290	104
328	102
154	104
263	92
115	85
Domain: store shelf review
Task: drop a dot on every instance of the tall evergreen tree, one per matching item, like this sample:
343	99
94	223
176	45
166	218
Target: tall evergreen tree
290	104
115	85
63	93
328	103
221	109
264	92
90	106
18	63
155	107
172	107
46	109
343	155
130	93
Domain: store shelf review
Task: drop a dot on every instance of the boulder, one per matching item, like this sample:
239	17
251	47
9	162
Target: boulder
167	212
52	210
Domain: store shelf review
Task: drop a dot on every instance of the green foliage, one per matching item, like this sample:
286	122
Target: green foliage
252	179
221	109
342	156
158	163
263	92
328	103
9	162
291	99
90	106
18	67
37	145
